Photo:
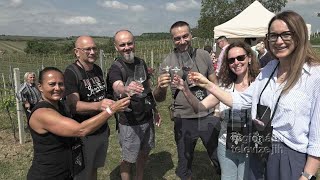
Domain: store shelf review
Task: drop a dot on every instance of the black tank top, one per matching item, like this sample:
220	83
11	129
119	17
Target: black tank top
52	153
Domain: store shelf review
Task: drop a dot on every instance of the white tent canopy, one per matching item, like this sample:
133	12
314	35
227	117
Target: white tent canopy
251	22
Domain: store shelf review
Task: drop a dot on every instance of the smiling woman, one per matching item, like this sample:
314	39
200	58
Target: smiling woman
52	130
293	122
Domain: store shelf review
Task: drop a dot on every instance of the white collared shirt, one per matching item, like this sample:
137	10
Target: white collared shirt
297	119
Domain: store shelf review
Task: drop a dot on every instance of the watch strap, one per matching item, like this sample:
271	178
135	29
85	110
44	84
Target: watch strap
308	176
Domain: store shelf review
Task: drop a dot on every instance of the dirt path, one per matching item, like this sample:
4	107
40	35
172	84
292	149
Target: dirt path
12	47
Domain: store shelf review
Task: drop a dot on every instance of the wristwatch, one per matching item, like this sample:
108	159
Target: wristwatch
308	176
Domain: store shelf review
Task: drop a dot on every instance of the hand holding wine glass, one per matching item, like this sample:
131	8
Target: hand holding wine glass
140	76
126	91
179	83
187	63
200	80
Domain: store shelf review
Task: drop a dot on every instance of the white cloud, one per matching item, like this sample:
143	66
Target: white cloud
303	2
78	20
183	5
137	8
15	3
113	4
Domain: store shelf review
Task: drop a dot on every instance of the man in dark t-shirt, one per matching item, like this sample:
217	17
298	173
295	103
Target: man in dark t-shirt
86	97
136	128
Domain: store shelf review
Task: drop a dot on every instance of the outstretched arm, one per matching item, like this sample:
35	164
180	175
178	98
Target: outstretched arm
222	95
209	102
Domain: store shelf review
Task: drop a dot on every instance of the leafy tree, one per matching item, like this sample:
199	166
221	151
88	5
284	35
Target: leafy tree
41	47
215	12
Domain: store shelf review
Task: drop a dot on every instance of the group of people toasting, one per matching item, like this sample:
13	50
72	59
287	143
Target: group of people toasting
280	100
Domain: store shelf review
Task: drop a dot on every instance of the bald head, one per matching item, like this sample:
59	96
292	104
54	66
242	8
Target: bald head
124	44
121	33
83	41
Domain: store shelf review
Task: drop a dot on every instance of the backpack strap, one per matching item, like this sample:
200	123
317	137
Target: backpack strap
73	67
122	67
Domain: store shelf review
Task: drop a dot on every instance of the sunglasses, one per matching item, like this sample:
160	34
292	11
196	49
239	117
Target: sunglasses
239	58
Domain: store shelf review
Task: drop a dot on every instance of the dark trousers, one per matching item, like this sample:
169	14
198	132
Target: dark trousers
187	132
283	163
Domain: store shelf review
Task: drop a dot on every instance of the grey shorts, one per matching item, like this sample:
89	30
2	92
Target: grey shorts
134	139
95	153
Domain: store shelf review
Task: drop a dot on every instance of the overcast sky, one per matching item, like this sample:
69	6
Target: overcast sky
103	18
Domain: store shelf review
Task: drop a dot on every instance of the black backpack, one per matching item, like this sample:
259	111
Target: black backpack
110	92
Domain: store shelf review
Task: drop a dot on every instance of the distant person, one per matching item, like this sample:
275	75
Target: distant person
52	131
86	96
222	43
189	126
251	42
264	55
29	94
212	54
136	127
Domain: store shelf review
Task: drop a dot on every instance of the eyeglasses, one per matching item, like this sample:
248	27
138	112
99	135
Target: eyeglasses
178	38
239	58
89	49
285	36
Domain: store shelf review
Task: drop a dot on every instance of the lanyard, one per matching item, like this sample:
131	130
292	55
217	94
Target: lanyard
276	106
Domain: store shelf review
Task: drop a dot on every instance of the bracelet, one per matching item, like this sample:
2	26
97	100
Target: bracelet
108	109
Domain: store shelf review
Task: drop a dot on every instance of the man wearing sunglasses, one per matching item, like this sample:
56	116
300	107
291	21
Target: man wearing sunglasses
189	125
86	97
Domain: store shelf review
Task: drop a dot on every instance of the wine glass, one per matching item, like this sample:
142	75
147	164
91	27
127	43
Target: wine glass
140	75
176	69
125	94
187	64
164	67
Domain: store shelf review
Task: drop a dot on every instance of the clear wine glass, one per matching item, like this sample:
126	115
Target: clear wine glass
176	69
164	67
125	94
187	64
140	75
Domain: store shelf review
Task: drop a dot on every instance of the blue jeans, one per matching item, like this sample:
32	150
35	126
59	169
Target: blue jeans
233	165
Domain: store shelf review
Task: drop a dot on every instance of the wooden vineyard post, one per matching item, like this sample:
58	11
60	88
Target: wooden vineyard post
16	75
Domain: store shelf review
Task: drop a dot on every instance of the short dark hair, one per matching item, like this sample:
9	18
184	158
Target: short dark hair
179	24
208	48
45	70
222	37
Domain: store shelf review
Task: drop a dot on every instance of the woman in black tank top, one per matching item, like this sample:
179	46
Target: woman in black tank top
52	130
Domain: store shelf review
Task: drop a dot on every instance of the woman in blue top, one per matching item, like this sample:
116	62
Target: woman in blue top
52	131
289	88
